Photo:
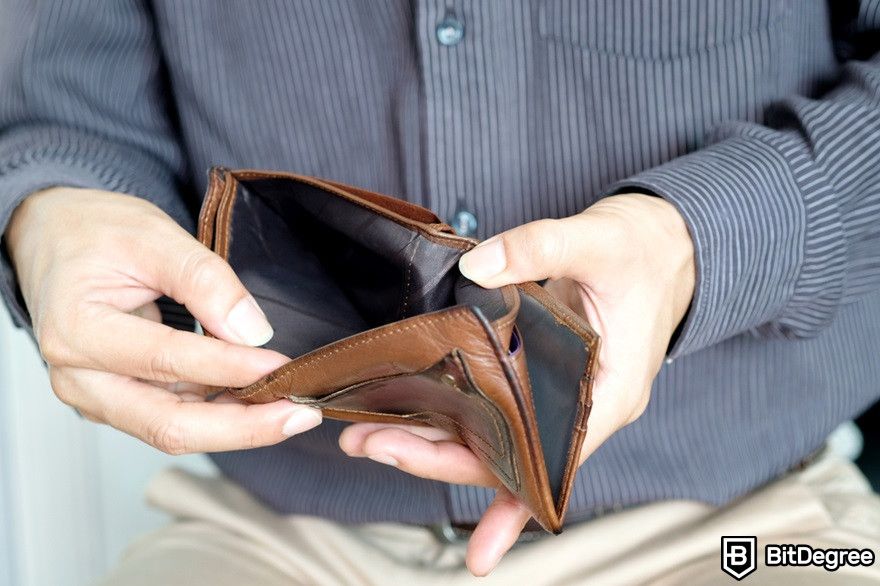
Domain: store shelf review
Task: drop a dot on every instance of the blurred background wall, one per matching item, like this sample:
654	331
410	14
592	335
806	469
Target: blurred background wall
70	491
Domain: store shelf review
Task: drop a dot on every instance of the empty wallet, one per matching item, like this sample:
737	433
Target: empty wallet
364	291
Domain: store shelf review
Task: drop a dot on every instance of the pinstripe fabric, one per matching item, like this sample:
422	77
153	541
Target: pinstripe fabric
758	119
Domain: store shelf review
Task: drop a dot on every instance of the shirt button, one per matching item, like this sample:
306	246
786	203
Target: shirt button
450	31
464	223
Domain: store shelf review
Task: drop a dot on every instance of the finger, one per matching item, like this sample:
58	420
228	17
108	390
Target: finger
436	460
187	271
352	438
180	388
496	533
610	411
89	417
109	340
570	294
162	420
191	391
531	252
225	398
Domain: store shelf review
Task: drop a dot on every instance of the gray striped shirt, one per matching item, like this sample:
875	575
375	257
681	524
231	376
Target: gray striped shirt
759	119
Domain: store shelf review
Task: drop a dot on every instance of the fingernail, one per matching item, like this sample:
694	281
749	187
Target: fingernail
383	459
248	322
301	420
484	261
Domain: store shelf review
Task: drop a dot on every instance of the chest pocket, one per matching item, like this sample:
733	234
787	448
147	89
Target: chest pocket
656	29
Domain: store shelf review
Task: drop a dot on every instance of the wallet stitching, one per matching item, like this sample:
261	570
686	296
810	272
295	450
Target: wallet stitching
352	198
286	375
473	384
560	314
215	197
408	279
490	456
572	467
460	427
221	220
210	214
531	479
505	438
479	399
224	218
503	323
590	348
506	323
327	353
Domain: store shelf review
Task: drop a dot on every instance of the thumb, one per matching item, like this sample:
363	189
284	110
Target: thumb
210	289
531	252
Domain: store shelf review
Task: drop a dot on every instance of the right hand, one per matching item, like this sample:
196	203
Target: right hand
90	265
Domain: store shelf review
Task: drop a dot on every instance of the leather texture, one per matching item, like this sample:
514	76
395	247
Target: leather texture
364	293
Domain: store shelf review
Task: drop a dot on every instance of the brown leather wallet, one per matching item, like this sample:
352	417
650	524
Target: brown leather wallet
364	291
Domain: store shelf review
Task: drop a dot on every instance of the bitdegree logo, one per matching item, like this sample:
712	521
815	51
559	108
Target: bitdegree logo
793	554
739	556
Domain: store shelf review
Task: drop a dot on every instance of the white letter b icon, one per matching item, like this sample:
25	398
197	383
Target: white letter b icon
738	556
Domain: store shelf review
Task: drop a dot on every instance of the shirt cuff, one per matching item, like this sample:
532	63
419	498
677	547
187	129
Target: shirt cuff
35	160
768	240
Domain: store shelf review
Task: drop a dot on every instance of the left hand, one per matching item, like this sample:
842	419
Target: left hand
626	264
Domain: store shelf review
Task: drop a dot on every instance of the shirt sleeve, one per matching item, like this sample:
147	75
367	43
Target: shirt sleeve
82	104
784	215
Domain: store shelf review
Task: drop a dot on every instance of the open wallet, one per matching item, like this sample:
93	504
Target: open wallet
364	292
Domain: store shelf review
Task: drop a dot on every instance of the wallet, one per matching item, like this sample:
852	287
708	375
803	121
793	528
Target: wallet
364	293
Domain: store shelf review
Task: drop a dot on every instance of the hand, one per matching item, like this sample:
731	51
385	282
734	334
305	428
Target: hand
90	264
626	264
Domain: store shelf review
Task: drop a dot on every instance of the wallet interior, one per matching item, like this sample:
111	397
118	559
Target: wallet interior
324	268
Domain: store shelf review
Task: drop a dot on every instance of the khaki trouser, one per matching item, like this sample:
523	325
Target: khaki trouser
222	536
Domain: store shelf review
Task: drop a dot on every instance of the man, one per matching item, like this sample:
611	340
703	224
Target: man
701	179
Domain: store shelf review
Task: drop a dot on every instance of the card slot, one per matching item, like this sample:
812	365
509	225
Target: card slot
388	271
556	360
443	395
